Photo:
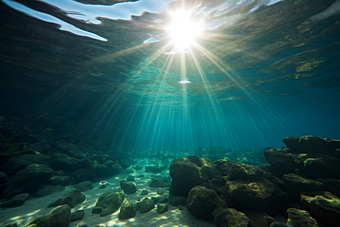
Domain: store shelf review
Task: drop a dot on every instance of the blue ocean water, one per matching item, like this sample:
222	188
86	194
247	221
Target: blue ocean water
261	71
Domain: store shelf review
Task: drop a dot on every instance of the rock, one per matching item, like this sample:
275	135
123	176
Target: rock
325	207
230	218
12	225
202	202
240	171
60	180
102	187
178	200
48	189
97	210
127	210
254	195
109	202
70	149
18	163
300	218
280	160
78	215
83	175
128	187
159	182
318	166
83	163
312	144
61	161
278	224
3	177
84	186
295	185
144	192
223	166
259	218
130	178
58	217
160	192
16	201
35	174
145	205
162	208
180	207
72	198
185	175
160	199
155	168
331	185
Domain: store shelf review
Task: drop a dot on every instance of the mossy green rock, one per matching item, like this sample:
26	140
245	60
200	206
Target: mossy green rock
58	217
128	187
145	206
110	202
127	210
72	198
162	208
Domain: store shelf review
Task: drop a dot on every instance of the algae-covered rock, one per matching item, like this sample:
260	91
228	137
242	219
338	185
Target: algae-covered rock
77	215
145	205
300	218
259	218
162	208
72	198
202	202
60	180
254	195
16	201
109	202
241	171
325	207
58	217
35	174
280	160
127	210
229	217
128	187
159	182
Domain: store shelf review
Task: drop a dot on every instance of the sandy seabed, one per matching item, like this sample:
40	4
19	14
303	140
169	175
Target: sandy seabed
35	207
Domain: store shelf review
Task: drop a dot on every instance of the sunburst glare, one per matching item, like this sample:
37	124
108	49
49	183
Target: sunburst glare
183	29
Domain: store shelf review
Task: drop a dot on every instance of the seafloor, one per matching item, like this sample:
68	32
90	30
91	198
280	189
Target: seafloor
53	177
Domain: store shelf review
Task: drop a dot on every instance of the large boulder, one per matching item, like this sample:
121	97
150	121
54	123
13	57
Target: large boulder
18	163
145	205
127	210
259	195
295	185
280	160
229	217
61	161
300	218
109	202
313	144
315	166
202	202
70	149
28	180
325	207
72	198
241	171
17	200
187	173
223	166
58	217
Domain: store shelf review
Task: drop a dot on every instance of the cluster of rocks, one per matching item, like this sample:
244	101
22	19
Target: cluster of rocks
48	155
301	185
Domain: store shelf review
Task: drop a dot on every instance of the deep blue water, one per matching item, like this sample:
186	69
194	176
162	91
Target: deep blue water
254	109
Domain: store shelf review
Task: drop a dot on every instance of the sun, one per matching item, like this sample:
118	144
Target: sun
183	29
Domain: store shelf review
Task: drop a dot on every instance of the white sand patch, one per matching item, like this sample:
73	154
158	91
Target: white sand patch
34	207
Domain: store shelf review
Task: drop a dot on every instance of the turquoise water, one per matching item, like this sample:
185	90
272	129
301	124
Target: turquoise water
258	71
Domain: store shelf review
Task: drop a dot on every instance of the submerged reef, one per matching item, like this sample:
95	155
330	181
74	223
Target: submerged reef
297	185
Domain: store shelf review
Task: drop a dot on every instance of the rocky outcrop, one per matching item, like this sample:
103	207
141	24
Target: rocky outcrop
109	203
72	198
196	173
58	217
203	201
16	201
28	180
229	217
324	206
301	218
